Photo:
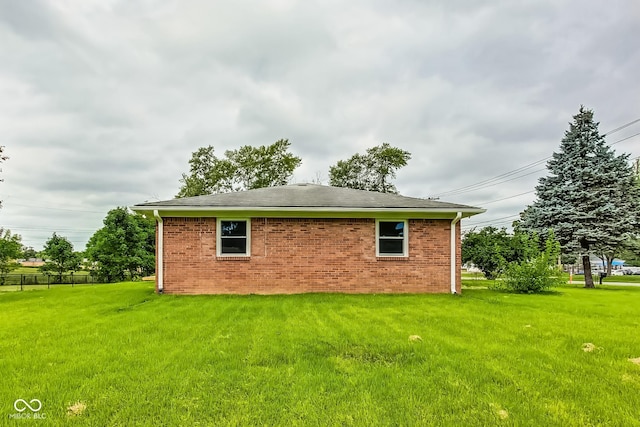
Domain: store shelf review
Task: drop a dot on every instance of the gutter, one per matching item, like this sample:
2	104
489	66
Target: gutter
159	253
307	209
453	251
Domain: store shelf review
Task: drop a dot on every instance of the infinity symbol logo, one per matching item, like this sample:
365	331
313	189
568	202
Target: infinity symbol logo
26	405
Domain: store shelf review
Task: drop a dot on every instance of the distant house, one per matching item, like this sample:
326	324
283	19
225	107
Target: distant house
31	262
307	238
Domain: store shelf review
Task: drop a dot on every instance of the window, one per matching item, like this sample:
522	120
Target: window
234	237
391	237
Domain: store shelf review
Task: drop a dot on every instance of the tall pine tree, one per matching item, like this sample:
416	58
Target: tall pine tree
590	198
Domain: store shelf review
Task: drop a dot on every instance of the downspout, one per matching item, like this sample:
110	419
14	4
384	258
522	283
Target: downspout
453	251
159	253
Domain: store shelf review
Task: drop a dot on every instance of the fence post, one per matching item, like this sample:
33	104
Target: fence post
72	279
21	282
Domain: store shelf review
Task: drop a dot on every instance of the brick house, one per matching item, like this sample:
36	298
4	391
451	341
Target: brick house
306	238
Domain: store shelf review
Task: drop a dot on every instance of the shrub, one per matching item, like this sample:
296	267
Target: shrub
536	274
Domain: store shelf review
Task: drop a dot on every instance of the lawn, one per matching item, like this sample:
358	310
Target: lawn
121	355
614	279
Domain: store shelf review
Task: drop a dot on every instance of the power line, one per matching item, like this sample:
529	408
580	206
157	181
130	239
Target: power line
481	184
624	139
51	208
53	229
626	125
506	198
492	220
490	182
497	183
533	191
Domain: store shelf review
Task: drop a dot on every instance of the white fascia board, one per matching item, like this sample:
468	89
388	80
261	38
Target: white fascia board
309	212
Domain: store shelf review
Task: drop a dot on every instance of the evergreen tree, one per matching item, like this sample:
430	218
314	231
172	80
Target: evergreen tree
590	198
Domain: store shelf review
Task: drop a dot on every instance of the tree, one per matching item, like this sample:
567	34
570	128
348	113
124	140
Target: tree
486	249
59	256
29	252
372	171
124	247
246	168
590	198
10	250
631	253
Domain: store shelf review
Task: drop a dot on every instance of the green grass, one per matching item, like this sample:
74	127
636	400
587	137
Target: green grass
36	270
486	358
470	277
614	279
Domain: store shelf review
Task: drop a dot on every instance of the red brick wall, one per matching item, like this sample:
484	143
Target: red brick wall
306	255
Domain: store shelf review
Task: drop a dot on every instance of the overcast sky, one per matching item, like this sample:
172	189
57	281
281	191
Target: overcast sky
103	102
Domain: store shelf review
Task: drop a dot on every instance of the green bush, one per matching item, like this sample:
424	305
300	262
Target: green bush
536	274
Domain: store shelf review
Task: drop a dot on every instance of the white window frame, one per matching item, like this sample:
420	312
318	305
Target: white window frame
219	237
405	239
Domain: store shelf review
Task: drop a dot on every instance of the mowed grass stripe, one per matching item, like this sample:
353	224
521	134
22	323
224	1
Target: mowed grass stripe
136	358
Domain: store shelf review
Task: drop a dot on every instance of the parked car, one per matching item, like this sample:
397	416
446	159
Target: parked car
617	273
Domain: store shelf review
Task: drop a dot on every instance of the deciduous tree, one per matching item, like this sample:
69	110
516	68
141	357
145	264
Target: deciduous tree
486	249
59	256
373	171
10	250
29	252
123	248
246	168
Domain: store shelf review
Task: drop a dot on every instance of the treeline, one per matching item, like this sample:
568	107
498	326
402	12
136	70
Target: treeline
123	249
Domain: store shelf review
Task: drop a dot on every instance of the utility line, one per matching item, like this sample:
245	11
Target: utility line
624	139
51	208
492	220
621	127
481	184
527	192
506	198
496	183
467	227
496	178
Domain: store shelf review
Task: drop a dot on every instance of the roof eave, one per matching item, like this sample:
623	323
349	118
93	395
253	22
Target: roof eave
304	211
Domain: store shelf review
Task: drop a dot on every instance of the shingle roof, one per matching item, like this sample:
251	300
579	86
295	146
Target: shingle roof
307	196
